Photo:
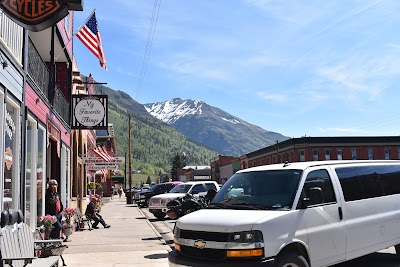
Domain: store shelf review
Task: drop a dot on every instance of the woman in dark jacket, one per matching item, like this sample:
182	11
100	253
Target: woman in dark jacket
54	207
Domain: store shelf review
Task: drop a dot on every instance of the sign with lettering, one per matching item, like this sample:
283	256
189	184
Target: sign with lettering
89	112
37	15
115	160
100	167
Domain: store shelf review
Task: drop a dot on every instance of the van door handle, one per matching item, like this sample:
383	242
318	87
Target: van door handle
340	213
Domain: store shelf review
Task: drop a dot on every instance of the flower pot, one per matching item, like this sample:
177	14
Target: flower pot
67	231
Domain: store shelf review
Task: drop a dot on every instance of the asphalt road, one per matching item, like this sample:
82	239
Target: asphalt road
382	258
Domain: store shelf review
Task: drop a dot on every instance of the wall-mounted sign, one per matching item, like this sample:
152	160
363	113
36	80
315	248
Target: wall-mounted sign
37	15
89	112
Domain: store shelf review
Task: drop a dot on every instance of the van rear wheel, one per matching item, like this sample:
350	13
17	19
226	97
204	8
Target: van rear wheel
291	259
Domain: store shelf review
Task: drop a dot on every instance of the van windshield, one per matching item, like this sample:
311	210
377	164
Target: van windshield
259	190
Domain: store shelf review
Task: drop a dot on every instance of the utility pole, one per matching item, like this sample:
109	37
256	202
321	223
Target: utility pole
129	199
125	173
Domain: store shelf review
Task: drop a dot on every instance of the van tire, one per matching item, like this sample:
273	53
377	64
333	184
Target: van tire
160	216
397	248
291	259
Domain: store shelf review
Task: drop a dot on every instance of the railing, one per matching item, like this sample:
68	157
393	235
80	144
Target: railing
39	73
61	105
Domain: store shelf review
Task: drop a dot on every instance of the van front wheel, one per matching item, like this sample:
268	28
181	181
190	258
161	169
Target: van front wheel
397	248
291	259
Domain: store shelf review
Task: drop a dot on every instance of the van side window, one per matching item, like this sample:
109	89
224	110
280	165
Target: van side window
390	178
321	179
370	183
350	183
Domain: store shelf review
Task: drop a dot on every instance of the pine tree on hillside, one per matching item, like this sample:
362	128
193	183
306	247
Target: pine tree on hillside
176	165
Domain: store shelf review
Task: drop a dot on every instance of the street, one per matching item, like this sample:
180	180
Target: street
383	258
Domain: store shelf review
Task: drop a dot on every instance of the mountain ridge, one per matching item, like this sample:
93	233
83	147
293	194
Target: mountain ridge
213	127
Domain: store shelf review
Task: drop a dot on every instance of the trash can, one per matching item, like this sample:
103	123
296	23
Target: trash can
128	195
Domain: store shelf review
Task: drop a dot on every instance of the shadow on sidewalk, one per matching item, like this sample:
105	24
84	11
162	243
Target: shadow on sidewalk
157	256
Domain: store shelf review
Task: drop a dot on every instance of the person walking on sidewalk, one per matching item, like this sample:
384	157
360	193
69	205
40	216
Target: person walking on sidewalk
120	192
112	191
92	213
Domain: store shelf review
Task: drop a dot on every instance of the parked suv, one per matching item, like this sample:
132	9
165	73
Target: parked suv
142	198
158	204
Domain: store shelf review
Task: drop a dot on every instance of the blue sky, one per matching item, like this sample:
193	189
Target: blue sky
315	68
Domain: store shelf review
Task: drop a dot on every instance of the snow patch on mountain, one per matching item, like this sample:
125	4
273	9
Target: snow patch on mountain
234	121
172	110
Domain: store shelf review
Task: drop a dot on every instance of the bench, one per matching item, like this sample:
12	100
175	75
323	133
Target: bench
17	244
52	247
81	219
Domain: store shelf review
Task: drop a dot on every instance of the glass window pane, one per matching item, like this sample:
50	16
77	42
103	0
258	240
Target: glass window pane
10	159
354	153
387	153
321	179
350	183
339	154
39	172
370	153
327	154
28	171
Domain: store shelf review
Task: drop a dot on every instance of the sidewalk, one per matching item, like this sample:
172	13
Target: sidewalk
131	240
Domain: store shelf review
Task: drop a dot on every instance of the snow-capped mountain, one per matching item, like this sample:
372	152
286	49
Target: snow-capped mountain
213	127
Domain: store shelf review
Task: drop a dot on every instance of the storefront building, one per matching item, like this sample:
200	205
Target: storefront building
11	111
35	92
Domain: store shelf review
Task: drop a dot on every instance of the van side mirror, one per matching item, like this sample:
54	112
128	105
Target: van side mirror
315	197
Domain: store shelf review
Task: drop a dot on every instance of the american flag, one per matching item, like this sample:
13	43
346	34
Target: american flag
90	36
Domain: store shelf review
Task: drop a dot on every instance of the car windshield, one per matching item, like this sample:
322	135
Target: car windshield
154	187
182	188
259	190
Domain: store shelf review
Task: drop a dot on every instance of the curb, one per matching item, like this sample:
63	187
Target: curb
155	231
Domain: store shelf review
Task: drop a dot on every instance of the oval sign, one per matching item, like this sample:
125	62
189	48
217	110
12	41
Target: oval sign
35	15
89	112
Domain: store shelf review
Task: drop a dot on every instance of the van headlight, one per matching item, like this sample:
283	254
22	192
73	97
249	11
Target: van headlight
246	237
249	237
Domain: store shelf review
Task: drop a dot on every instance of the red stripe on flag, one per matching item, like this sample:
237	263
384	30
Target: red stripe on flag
89	35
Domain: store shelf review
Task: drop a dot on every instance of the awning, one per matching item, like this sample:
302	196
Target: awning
102	153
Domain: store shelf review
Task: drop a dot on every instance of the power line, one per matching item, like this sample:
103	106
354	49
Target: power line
150	37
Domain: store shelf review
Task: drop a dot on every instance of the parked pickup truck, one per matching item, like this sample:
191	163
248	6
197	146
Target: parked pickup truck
158	204
142	198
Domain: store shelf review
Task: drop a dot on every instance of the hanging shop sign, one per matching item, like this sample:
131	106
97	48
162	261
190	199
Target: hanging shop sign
37	15
89	112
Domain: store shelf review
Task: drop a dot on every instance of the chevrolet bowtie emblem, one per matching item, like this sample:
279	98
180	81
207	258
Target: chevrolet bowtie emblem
199	244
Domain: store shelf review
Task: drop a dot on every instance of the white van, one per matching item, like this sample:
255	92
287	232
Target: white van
295	214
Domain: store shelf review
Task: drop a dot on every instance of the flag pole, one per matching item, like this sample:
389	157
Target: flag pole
84	23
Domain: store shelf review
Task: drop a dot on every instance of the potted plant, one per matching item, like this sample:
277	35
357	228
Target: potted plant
46	224
68	214
94	186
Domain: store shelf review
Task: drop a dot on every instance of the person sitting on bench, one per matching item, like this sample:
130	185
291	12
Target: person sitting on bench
92	214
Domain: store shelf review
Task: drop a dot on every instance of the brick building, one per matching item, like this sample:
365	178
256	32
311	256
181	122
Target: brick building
325	148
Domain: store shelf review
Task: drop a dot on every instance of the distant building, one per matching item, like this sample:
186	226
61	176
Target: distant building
218	174
325	148
193	173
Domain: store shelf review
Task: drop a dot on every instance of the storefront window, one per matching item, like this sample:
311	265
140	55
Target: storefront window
39	171
10	157
28	171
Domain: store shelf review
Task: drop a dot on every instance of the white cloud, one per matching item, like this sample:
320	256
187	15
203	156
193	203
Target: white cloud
272	97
